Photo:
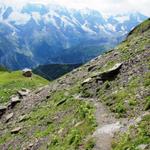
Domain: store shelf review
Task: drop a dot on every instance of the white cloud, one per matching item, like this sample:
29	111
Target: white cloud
105	6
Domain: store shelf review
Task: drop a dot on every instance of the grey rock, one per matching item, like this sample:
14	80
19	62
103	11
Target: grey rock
9	116
139	119
79	123
86	81
91	68
109	74
15	130
14	100
22	118
142	146
24	92
2	109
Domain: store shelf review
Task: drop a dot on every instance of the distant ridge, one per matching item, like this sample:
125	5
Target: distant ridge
54	71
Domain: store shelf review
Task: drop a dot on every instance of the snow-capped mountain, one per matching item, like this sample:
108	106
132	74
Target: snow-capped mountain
39	34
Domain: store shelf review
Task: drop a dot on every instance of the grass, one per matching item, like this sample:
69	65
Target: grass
11	82
65	126
136	136
124	100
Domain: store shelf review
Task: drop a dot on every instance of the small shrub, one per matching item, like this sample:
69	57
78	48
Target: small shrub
120	108
147	80
54	141
90	144
132	102
74	138
147	106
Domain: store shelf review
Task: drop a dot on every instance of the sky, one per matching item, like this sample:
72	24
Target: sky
104	6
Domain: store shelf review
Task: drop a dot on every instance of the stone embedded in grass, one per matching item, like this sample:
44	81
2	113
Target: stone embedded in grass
109	74
86	81
9	116
142	147
39	90
22	118
79	123
31	145
139	119
16	130
91	68
2	109
24	92
61	102
109	128
60	131
14	100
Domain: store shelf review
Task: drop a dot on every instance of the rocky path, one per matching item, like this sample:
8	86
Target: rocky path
107	125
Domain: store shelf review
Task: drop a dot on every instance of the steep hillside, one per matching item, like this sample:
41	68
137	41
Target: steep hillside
102	105
39	34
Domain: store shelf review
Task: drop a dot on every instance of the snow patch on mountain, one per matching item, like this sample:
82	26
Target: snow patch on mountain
36	16
19	18
7	24
139	19
66	21
122	19
122	28
110	27
86	28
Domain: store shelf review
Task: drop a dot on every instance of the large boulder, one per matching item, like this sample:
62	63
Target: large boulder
109	74
103	76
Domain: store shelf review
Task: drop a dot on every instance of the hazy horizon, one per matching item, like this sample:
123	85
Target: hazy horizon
109	7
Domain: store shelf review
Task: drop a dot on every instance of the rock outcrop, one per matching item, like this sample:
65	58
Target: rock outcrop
2	109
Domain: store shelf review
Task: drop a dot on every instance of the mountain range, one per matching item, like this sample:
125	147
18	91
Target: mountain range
38	34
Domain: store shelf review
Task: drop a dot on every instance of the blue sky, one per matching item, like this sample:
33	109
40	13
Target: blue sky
105	6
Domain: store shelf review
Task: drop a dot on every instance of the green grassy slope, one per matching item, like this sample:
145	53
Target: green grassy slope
61	122
11	82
